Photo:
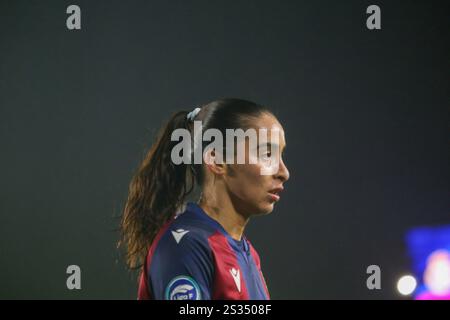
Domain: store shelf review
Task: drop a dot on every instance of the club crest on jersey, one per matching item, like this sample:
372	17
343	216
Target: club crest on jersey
183	288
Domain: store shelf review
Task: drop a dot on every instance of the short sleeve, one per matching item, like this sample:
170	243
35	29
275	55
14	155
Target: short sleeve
181	268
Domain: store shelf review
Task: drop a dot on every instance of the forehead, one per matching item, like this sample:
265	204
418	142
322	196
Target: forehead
268	121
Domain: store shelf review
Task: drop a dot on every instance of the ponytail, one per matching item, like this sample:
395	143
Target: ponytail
157	190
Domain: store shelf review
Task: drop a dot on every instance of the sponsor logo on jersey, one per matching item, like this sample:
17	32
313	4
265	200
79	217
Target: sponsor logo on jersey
236	277
179	234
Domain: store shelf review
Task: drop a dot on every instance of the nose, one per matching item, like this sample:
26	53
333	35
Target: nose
283	172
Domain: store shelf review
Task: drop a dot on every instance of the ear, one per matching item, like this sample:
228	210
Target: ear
214	162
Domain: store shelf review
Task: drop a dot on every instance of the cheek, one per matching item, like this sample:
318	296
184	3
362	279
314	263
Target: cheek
248	180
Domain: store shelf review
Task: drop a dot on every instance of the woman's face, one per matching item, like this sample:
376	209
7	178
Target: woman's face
255	186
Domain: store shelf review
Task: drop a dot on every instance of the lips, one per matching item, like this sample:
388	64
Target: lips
275	193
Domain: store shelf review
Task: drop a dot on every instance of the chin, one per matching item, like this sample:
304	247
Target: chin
260	208
266	209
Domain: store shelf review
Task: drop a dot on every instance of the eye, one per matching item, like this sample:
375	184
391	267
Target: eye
266	152
267	155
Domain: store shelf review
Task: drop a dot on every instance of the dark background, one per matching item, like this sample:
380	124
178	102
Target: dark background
366	116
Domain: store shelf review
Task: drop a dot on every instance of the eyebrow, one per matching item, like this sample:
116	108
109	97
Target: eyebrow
272	144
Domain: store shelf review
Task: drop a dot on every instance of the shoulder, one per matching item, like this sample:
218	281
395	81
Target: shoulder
182	260
184	236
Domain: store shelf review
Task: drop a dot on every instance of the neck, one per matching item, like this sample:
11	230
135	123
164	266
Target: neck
220	208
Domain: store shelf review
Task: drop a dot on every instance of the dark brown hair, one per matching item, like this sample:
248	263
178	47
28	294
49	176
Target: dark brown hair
159	187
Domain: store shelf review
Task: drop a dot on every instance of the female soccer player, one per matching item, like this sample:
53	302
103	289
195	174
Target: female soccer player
198	250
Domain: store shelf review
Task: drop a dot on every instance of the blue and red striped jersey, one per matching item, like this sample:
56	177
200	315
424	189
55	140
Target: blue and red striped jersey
193	258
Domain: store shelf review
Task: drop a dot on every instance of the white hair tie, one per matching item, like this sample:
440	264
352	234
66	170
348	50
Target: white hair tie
191	115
